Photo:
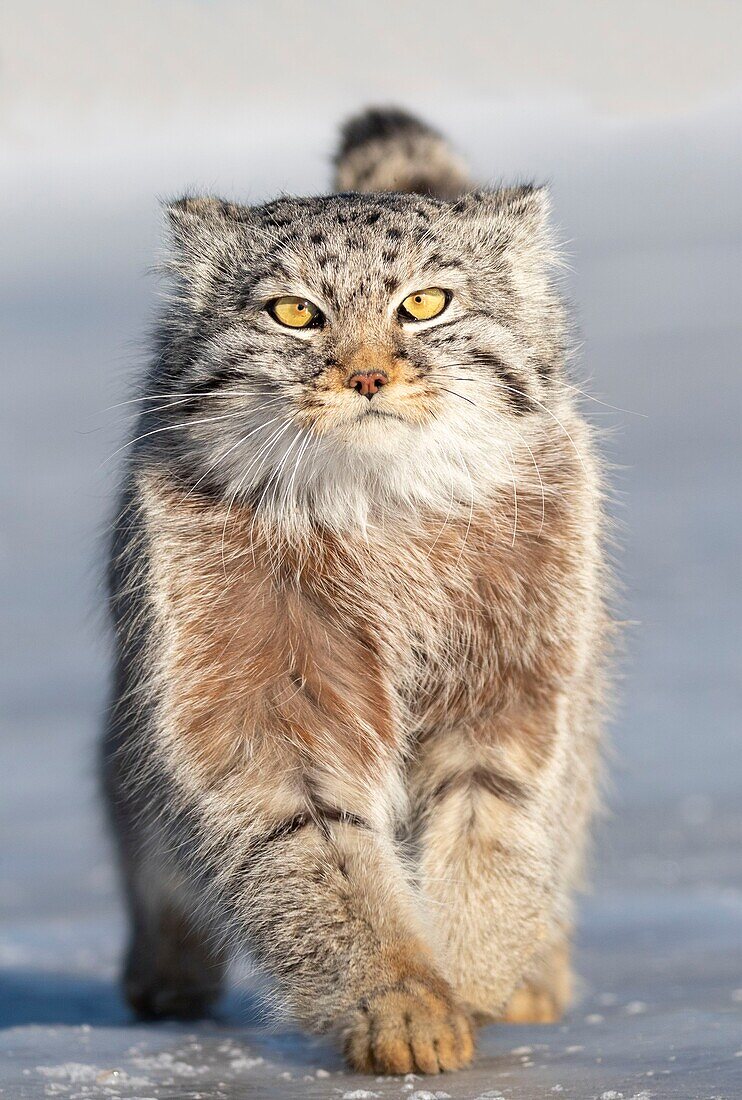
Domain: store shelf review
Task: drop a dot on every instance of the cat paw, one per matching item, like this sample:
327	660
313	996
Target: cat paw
406	1028
531	1005
150	1000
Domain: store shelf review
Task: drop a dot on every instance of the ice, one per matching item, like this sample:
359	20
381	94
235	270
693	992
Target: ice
70	1071
78	1073
238	1065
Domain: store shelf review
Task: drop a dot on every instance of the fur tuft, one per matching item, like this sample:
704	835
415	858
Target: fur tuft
385	149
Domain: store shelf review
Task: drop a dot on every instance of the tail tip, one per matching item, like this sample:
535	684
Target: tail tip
388	149
379	124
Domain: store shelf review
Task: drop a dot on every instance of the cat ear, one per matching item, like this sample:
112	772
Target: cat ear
515	218
516	244
198	223
203	235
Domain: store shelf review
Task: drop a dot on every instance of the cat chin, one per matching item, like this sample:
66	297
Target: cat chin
378	432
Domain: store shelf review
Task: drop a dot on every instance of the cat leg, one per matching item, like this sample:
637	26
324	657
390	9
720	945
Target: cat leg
313	887
501	812
547	991
174	967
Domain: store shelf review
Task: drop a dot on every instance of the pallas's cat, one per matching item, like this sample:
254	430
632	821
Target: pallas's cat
358	597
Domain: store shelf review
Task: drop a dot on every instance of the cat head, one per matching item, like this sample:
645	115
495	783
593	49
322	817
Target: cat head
327	356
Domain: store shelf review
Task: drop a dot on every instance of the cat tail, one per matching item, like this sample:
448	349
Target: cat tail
385	149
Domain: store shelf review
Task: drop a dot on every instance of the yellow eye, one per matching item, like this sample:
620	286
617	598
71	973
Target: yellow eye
295	312
424	304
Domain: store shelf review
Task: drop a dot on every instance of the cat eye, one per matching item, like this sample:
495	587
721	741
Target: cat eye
422	305
295	312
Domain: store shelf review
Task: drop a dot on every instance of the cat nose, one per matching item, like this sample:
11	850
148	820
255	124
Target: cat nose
367	382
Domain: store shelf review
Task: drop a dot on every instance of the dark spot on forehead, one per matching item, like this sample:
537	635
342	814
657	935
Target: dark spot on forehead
389	255
437	259
372	218
316	237
394	234
257	275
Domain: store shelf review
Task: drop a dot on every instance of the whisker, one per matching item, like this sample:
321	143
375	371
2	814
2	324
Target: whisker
515	494
455	394
540	480
299	457
470	520
269	445
274	477
452	377
445	521
185	397
615	408
171	428
234	447
529	397
175	404
536	468
290	487
555	418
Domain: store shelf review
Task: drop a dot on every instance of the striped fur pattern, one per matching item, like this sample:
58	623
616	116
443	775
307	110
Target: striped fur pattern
360	644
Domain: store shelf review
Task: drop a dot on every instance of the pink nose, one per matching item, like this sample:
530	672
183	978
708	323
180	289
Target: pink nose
367	382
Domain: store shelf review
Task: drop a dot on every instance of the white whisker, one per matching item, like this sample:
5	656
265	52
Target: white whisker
170	428
229	451
185	396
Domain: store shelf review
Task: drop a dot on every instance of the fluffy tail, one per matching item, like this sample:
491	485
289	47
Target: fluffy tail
384	149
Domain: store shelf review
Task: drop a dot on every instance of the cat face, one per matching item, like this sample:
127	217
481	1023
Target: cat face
369	347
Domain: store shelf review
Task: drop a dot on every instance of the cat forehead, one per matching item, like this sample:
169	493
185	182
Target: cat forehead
347	241
370	228
333	242
343	212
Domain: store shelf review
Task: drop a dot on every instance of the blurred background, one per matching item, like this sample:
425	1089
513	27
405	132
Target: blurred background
633	113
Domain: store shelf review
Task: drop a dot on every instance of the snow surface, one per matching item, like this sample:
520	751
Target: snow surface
652	209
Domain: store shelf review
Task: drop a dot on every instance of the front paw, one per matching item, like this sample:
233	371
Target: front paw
533	1005
411	1026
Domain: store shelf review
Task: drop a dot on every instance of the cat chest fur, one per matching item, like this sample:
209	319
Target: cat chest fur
349	646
